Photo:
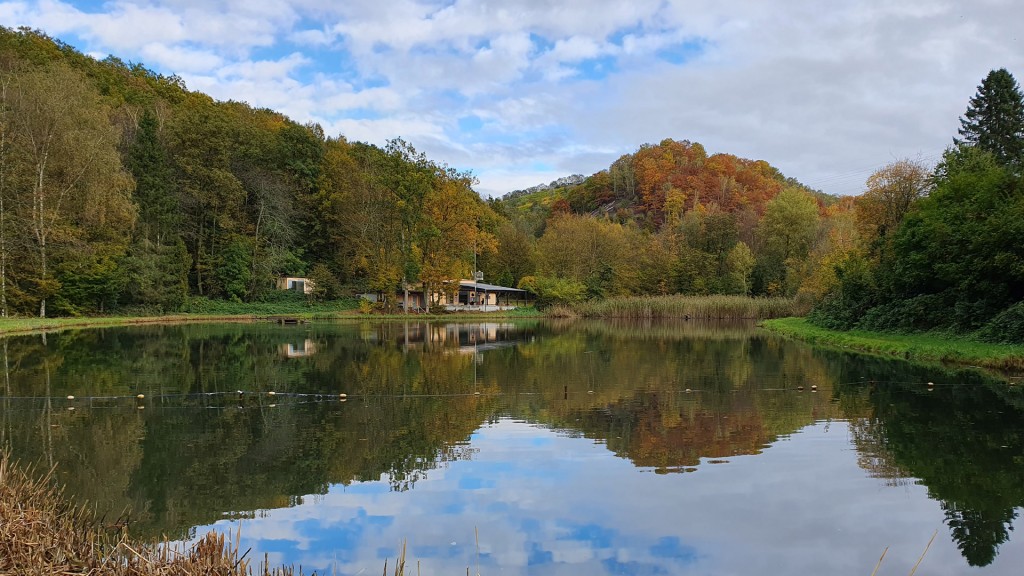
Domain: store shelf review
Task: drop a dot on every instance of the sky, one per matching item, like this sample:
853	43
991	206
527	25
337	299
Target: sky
532	501
524	92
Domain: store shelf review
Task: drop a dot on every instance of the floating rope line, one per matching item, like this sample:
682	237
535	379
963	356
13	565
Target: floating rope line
217	400
247	398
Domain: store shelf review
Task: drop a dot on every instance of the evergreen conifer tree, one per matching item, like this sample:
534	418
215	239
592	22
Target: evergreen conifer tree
994	120
154	188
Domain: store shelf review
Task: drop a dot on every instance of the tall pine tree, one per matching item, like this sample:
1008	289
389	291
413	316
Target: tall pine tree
154	189
994	120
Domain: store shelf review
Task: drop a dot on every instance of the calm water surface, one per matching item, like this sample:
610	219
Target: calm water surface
528	448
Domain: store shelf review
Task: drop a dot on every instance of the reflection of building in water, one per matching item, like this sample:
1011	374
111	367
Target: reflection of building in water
306	348
463	337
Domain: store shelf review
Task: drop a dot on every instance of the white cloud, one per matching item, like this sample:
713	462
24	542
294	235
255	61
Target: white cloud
182	60
818	93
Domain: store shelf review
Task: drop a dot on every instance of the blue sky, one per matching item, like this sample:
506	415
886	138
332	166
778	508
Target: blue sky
523	92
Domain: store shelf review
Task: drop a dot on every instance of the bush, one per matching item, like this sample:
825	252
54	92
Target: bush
325	283
1007	327
554	291
917	314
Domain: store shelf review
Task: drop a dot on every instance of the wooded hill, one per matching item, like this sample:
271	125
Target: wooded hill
678	220
122	190
658	183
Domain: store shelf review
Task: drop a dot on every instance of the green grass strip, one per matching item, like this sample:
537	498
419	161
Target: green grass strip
924	346
23	325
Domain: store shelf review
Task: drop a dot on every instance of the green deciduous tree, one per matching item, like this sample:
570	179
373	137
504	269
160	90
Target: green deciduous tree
514	257
959	259
589	250
69	193
786	235
740	262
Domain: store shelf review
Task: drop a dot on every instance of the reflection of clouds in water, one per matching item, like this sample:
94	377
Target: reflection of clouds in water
544	503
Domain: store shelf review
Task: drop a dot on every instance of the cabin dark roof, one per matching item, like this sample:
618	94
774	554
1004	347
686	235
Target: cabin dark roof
469	284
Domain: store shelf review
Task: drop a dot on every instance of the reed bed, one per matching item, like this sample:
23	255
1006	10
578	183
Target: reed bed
41	532
688	307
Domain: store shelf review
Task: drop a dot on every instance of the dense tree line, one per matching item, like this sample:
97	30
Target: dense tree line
943	249
121	189
671	219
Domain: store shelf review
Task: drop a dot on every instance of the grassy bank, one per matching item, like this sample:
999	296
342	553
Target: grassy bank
33	324
928	346
279	303
702	307
27	325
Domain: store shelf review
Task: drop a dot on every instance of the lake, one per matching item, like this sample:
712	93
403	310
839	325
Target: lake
529	447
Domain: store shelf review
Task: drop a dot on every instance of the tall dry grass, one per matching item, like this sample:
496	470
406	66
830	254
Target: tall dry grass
41	532
717	307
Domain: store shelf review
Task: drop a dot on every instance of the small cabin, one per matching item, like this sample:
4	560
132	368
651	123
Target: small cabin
303	285
470	295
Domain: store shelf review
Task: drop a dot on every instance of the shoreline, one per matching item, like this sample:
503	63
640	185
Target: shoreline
942	348
31	325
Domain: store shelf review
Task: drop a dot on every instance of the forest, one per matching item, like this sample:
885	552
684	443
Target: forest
123	191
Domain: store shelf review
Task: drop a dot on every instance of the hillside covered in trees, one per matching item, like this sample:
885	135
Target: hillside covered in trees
670	218
122	190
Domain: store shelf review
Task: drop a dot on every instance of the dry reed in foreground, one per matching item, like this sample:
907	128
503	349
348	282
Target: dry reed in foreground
42	533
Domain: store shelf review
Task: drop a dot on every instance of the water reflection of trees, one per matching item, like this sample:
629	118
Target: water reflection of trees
417	391
414	389
195	452
962	439
627	386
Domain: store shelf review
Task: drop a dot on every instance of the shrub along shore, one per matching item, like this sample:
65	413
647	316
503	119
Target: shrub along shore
922	346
